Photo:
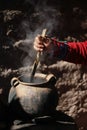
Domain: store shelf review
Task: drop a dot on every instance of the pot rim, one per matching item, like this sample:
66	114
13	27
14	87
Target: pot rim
47	78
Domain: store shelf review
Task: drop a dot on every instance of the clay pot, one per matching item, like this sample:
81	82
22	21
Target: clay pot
35	99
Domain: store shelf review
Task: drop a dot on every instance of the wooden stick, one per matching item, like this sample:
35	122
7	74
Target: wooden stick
37	59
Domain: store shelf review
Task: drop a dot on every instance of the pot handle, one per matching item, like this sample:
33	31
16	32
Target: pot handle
14	82
51	78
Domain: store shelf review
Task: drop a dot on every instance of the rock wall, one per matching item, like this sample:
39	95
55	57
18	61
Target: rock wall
72	88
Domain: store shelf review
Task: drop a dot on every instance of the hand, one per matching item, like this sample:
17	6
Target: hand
45	45
42	43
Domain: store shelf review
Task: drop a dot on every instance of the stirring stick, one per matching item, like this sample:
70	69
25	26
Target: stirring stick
37	59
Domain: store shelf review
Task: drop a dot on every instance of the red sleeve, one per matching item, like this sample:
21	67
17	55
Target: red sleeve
75	52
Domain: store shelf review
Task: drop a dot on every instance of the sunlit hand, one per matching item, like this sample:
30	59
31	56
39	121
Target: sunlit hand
42	43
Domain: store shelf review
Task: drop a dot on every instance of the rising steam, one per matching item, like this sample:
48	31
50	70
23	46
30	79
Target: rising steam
43	17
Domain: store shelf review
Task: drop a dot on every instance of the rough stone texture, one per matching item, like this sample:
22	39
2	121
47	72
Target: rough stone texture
72	88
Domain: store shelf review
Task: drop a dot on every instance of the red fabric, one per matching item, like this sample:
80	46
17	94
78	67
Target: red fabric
76	53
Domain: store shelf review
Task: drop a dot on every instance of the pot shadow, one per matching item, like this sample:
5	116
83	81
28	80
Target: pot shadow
18	119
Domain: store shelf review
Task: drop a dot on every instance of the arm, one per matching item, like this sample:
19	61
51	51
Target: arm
75	52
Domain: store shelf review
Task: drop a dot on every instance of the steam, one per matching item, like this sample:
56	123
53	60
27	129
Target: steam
43	17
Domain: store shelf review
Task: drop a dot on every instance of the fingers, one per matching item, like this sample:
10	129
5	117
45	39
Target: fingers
38	44
41	43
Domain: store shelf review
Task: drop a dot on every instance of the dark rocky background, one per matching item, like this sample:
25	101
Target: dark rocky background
20	22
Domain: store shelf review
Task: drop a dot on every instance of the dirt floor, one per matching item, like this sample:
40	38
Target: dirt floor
20	22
